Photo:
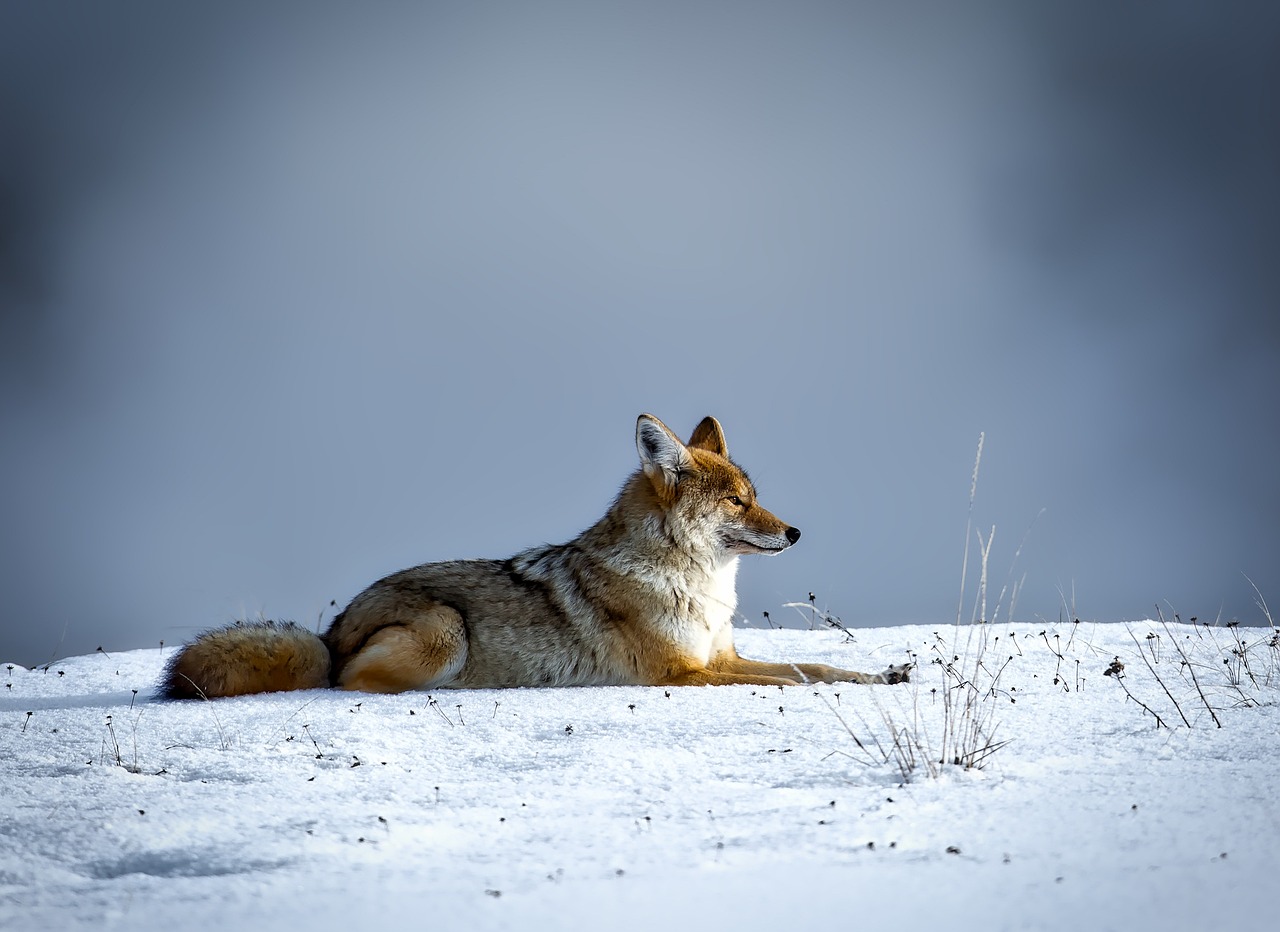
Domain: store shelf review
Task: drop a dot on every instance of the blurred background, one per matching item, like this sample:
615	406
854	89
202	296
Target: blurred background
298	294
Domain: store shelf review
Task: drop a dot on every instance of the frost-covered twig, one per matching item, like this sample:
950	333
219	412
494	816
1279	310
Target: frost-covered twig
1189	667
1157	677
1116	671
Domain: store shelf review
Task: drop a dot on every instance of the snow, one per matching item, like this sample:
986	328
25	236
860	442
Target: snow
639	808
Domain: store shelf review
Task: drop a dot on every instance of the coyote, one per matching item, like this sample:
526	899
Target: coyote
645	596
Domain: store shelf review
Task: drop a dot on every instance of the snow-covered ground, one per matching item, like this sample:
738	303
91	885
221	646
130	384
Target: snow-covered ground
643	808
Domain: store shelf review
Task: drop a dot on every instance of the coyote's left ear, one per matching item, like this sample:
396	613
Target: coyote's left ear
709	435
662	455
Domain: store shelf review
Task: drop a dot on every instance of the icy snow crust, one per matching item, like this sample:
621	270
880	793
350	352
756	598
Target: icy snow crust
642	808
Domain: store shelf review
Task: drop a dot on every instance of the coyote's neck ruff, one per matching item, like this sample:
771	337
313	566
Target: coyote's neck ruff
646	596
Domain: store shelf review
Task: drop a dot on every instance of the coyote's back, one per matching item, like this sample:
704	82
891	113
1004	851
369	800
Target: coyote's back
645	596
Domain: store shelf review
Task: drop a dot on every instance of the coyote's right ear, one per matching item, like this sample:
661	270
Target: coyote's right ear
709	435
662	455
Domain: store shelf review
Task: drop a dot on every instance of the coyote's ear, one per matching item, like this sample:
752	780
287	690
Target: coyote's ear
709	435
662	454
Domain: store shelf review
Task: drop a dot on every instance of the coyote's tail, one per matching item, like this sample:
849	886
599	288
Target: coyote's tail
245	658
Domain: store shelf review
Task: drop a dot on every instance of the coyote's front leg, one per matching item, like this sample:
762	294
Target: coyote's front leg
751	670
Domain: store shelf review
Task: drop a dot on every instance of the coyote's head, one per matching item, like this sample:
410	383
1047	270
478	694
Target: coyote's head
706	500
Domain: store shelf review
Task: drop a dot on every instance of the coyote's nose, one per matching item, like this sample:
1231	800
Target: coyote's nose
793	534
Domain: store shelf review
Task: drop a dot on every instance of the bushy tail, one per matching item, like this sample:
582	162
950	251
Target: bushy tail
246	658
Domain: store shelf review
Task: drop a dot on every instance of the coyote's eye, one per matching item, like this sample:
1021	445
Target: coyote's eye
734	501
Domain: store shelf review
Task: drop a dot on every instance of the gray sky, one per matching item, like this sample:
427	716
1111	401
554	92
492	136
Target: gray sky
296	298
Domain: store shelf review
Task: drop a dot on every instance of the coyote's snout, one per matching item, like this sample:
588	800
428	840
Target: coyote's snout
645	596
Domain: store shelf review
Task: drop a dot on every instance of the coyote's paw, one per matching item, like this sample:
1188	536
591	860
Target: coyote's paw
897	673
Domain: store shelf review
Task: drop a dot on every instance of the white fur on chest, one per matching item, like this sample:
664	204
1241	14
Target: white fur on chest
722	596
702	625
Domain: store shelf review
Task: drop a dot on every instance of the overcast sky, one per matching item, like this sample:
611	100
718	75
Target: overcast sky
296	297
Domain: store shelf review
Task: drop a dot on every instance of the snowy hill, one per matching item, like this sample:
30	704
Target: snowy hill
641	808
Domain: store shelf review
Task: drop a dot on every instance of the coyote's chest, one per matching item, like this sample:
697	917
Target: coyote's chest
699	622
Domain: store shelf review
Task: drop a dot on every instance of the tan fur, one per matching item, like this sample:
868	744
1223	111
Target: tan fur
645	596
248	658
